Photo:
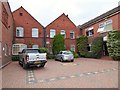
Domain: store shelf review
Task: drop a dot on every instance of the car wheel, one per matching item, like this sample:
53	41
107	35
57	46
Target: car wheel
25	66
61	59
19	63
72	60
42	65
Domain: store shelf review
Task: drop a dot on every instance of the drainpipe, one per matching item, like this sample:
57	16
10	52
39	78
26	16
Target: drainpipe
44	38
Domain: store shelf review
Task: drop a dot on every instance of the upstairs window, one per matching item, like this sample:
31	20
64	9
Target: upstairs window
63	33
105	26
72	35
35	32
19	32
90	32
52	33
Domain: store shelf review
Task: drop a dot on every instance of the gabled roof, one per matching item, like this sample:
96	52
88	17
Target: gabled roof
59	17
101	17
28	14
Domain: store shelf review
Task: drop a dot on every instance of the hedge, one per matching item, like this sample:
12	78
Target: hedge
113	44
82	45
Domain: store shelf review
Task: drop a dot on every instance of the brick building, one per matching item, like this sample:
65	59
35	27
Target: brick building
67	28
6	33
101	25
28	31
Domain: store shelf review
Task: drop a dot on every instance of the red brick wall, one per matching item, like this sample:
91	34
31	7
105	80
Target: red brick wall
27	22
115	24
7	32
63	23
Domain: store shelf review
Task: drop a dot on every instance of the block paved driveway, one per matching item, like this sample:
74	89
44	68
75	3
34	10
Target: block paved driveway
82	73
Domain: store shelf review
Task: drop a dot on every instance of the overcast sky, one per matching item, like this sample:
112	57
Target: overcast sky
79	11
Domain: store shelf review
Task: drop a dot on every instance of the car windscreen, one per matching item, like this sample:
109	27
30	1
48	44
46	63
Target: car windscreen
32	51
67	53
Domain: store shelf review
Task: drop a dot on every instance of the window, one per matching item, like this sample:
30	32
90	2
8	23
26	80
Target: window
52	33
35	32
89	47
63	33
105	26
72	35
6	49
35	46
72	47
90	32
19	32
18	48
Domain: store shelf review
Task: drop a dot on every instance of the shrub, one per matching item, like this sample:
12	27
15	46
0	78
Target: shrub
97	47
82	45
15	57
113	44
75	54
50	56
58	44
44	50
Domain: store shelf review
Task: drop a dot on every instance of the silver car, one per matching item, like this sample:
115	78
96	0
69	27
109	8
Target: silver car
65	56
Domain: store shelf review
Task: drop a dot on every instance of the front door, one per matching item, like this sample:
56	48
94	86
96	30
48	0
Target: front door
105	50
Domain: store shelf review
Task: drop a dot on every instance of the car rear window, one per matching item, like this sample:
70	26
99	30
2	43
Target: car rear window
32	51
67	53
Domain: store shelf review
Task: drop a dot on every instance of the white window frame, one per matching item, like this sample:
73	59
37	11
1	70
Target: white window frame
35	32
19	32
73	37
72	47
90	33
52	33
35	46
16	48
62	32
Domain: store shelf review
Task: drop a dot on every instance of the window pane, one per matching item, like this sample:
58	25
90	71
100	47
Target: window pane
72	47
34	32
72	35
34	46
52	33
19	32
63	33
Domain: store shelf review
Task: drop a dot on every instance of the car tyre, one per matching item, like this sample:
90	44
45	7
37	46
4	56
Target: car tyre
72	60
25	66
42	65
61	59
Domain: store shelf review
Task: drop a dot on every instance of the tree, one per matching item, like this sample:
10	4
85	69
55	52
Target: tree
113	44
82	42
97	47
58	44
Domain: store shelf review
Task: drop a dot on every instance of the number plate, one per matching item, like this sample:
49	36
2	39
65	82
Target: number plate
37	62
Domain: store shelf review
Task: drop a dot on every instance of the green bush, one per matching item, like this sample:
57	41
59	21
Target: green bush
90	55
75	54
58	44
82	45
97	47
15	57
44	50
113	44
50	56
